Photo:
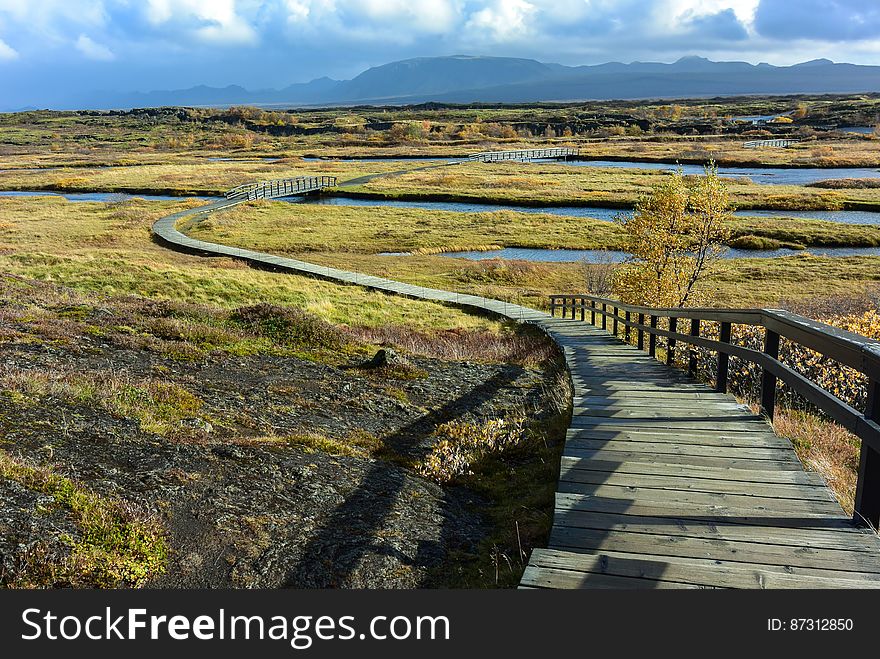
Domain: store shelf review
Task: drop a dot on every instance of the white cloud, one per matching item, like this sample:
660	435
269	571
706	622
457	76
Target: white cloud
422	15
7	52
94	50
214	21
55	19
502	20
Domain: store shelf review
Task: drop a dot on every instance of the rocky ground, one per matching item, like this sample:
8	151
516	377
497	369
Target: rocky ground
270	466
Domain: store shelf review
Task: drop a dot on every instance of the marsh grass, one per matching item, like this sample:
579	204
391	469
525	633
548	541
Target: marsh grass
53	240
117	544
823	447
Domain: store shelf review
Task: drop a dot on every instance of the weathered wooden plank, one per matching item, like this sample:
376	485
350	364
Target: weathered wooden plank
658	545
669	448
659	468
679	484
685	499
704	413
716	530
546	577
701	572
708	438
696	423
609	453
726	513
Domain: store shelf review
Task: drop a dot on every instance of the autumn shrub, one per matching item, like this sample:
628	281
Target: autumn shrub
461	445
288	326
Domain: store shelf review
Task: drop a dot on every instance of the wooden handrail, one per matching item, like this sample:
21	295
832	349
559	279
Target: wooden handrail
524	154
853	350
281	187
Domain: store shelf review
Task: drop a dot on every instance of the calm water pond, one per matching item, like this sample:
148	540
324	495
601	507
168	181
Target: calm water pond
596	212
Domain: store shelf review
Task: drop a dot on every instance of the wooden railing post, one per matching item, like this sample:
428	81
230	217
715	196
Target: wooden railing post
593	312
552	306
652	338
614	322
583	309
670	344
640	333
604	316
723	361
626	329
768	380
867	502
692	359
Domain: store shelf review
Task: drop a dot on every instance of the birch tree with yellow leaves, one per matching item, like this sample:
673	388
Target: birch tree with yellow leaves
676	235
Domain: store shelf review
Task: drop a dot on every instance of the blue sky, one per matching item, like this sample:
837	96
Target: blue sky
50	47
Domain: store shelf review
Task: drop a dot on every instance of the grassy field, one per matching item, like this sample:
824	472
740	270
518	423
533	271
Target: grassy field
510	182
557	184
352	237
292	228
107	247
687	129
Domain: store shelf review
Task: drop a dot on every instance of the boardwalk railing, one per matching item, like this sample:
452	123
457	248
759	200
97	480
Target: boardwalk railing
282	187
526	154
760	144
852	350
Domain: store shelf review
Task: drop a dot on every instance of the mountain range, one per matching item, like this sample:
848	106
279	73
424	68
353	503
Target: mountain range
471	79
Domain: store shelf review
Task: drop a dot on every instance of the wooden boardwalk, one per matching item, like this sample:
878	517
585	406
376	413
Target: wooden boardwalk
280	187
663	483
524	154
765	144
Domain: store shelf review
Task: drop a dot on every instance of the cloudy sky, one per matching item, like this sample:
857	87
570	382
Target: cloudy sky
49	47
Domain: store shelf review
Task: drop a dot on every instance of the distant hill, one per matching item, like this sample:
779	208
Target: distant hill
466	79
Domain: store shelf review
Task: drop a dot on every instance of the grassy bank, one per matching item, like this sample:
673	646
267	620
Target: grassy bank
107	247
289	228
352	237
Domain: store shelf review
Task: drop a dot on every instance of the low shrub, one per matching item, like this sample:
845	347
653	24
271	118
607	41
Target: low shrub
461	445
118	545
288	326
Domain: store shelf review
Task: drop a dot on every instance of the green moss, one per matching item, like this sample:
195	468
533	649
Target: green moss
158	405
115	547
358	443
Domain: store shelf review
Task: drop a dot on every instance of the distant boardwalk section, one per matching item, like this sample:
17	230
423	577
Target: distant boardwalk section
281	187
525	154
769	144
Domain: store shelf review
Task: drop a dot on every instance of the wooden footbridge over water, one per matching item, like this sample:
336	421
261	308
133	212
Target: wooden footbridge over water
524	154
779	143
665	481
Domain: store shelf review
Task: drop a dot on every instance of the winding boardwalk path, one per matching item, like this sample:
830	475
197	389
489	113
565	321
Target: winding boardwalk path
664	483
